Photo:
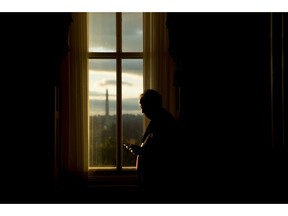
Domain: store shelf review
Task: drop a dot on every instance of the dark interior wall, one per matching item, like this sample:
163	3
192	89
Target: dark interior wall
223	65
224	68
223	72
32	48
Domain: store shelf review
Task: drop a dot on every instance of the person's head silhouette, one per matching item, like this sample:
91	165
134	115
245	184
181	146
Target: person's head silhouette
150	103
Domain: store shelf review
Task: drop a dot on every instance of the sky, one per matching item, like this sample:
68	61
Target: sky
102	72
131	86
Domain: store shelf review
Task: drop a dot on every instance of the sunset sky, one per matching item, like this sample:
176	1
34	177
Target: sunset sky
102	72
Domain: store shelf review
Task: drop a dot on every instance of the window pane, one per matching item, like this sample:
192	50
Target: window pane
102	111
132	36
102	32
132	87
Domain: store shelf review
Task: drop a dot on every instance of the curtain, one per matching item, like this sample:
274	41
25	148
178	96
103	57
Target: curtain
158	74
158	64
75	141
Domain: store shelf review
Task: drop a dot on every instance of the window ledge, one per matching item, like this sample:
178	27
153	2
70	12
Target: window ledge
112	178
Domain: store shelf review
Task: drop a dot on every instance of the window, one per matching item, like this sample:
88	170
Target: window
80	93
115	82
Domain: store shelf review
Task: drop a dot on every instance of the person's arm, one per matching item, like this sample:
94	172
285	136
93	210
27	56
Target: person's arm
135	149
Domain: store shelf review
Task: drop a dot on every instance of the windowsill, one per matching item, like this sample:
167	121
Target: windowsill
112	178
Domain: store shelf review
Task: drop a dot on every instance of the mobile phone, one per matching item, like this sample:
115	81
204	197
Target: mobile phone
126	145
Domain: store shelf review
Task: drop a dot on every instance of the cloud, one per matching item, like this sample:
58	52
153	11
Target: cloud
130	105
126	83
113	83
95	93
103	65
108	82
133	66
130	66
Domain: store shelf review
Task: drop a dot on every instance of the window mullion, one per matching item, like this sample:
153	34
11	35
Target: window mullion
119	89
103	159
102	55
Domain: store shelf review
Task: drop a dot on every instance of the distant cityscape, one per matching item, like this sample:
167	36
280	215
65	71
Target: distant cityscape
100	107
103	137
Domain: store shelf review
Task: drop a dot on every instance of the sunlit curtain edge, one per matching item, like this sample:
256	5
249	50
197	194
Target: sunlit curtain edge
156	70
158	67
77	161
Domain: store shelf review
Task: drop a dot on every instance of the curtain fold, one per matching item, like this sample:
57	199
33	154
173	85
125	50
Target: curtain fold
158	65
158	74
75	152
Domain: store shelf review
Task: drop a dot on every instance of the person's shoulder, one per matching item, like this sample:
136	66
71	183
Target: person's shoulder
167	112
167	116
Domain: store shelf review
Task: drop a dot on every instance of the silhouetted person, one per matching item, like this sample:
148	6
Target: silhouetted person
156	157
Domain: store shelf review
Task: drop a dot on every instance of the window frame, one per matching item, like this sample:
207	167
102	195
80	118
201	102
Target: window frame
119	55
158	72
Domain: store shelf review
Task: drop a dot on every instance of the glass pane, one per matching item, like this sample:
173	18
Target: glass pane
102	32
102	112
132	32
132	117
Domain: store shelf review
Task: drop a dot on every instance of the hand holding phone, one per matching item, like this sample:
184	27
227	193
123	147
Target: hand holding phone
126	145
135	149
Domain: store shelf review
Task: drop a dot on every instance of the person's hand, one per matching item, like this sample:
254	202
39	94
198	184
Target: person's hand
135	149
